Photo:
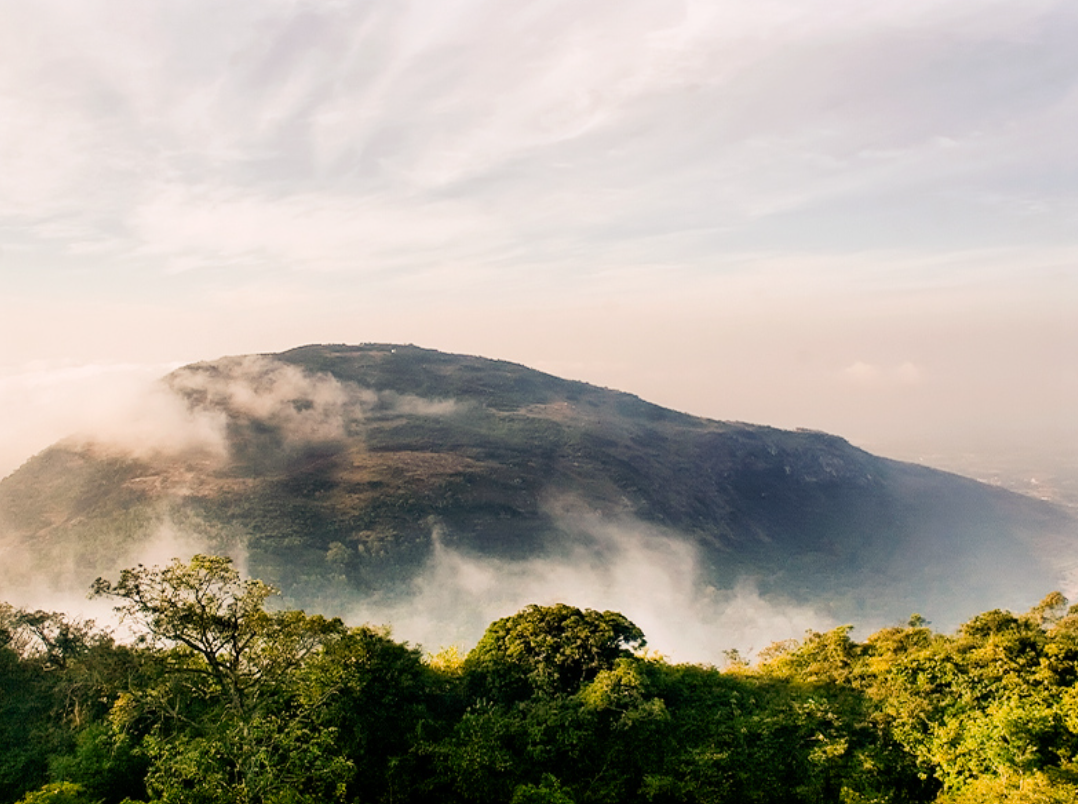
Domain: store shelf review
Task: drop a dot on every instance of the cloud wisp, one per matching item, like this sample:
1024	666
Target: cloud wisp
390	136
652	577
121	405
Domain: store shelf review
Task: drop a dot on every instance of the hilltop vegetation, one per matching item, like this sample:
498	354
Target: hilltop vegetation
331	469
220	700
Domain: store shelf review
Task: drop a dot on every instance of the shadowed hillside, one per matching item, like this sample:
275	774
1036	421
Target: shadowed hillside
334	470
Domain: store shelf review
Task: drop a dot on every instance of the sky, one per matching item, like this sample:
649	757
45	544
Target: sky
847	216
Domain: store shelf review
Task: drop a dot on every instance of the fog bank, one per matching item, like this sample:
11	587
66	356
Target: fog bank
654	578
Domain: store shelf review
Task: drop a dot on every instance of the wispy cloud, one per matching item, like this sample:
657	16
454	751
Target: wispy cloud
55	400
871	375
653	577
356	137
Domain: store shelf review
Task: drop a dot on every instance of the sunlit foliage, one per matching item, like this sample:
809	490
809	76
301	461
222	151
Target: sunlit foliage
219	700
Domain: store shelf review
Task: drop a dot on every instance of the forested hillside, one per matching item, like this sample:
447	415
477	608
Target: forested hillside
218	698
334	471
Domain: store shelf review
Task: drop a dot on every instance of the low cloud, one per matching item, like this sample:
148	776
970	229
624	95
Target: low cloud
876	376
123	406
304	407
651	576
154	421
129	408
411	405
64	586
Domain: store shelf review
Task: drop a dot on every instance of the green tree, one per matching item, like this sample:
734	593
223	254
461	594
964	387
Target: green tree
562	709
376	695
25	723
56	690
259	759
57	793
548	650
209	614
985	707
221	714
548	791
50	638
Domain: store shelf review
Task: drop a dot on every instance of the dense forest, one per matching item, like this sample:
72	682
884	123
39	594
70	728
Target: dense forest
220	699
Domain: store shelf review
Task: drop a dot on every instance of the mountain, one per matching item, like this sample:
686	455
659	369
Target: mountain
339	470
